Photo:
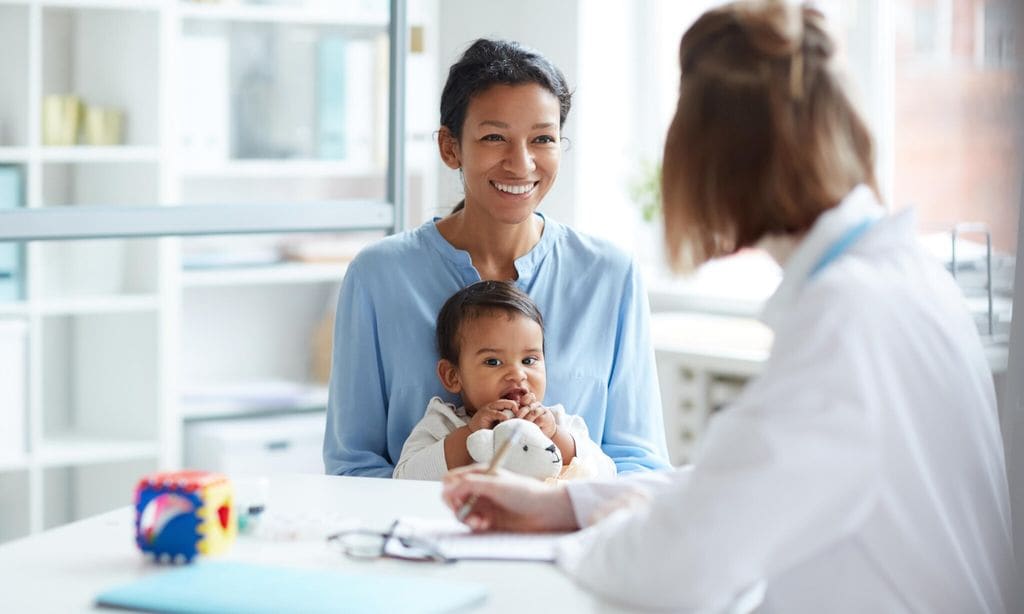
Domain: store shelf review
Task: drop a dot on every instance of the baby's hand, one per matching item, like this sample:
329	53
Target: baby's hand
491	414
539	415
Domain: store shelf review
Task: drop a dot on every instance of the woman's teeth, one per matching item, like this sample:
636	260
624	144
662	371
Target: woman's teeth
514	189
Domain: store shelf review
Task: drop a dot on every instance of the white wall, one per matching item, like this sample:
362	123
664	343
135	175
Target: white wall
550	27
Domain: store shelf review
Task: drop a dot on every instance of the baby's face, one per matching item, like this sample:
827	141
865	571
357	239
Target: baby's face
500	357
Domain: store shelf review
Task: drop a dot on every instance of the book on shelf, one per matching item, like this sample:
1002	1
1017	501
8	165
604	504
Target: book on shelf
11	270
204	98
330	90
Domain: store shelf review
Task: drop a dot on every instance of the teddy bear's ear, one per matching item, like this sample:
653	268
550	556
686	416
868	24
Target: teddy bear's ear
480	445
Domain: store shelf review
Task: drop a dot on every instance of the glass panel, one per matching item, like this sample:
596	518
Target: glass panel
957	158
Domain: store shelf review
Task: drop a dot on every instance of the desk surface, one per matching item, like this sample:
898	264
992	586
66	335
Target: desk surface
63	569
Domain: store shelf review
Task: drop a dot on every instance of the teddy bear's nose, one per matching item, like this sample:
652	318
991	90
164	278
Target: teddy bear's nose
551	448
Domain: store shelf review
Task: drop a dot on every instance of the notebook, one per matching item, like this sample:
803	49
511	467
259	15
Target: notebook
227	587
455	541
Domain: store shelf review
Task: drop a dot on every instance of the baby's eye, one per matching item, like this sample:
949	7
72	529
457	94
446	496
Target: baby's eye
530	360
492	362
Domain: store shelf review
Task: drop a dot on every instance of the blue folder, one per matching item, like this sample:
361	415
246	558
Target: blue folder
225	587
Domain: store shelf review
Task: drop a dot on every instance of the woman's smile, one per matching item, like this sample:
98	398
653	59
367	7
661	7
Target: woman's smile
516	190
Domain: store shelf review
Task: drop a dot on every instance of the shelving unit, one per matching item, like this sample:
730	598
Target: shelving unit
120	331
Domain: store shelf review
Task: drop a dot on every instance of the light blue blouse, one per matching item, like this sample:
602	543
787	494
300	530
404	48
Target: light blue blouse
599	359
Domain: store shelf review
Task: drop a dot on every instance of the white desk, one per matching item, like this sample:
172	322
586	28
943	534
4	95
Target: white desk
62	570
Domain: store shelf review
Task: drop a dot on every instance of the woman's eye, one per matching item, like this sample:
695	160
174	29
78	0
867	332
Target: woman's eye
492	362
493	137
545	139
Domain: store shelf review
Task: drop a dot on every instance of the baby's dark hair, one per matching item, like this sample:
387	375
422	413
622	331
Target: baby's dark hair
475	300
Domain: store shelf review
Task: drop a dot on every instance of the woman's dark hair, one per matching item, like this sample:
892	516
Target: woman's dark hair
487	63
481	298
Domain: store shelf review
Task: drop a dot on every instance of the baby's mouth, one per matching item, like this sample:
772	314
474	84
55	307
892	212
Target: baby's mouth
515	394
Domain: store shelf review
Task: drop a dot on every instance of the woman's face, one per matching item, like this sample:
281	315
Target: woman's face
509	151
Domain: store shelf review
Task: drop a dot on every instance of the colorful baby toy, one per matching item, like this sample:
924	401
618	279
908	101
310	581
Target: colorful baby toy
184	513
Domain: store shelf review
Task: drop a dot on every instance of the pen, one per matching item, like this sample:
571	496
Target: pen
492	468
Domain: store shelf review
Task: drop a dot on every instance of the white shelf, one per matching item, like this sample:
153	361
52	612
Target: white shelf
270	397
15	155
72	449
134	5
14	308
334	16
261	169
115	329
711	337
13	463
85	154
284	273
97	304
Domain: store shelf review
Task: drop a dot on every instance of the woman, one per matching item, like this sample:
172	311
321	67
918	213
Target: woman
862	471
502	111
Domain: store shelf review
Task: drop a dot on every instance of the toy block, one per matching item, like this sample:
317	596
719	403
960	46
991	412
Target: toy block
184	513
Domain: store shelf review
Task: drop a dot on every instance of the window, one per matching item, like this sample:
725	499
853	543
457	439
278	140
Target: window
936	82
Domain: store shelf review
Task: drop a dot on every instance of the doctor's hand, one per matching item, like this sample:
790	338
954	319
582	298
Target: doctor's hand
508	502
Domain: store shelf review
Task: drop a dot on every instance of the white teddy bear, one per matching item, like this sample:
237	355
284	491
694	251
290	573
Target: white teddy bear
534	454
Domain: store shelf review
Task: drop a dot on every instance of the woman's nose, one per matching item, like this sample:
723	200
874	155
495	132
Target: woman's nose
520	160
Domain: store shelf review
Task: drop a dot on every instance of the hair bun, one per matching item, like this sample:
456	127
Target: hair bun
774	28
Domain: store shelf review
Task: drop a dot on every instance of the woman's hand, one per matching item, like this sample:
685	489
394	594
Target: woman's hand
508	502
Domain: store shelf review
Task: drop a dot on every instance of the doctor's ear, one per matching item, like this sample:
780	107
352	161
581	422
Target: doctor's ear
448	373
448	146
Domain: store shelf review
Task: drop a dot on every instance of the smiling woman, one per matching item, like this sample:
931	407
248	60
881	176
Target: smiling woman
502	112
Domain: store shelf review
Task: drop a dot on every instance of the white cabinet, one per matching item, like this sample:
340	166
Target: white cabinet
257	446
117	343
703	363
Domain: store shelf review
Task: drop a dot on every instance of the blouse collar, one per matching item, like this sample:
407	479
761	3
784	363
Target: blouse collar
526	265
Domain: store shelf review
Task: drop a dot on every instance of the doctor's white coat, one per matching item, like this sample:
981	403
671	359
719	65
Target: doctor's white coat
862	471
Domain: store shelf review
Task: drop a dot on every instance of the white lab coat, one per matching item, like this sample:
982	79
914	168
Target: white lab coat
862	471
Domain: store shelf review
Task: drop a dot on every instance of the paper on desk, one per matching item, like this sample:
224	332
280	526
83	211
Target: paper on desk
454	540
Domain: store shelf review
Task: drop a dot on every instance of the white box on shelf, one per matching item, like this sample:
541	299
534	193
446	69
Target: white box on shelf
258	445
204	98
13	341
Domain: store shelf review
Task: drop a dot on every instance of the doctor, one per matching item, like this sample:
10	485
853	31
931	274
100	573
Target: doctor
862	471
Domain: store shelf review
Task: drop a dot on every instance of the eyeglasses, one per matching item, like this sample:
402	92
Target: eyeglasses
365	544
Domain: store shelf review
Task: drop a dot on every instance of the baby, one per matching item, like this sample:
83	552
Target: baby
490	337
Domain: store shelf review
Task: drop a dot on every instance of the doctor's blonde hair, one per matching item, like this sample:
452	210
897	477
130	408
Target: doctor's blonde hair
764	137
